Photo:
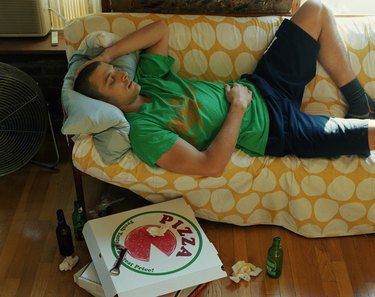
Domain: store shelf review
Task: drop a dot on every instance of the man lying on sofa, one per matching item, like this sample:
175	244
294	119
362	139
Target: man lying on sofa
193	126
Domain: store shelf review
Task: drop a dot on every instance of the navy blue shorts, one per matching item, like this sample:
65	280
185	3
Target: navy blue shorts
281	75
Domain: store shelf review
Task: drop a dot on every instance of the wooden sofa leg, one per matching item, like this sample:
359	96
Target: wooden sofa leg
79	187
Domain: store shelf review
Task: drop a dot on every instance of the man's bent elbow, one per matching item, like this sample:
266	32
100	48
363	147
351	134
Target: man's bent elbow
216	174
215	171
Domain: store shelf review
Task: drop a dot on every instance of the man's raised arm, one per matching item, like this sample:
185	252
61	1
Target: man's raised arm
153	38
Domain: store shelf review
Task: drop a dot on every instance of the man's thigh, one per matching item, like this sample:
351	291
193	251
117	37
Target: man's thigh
289	63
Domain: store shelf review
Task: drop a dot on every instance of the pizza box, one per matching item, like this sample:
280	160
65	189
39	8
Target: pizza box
88	279
182	257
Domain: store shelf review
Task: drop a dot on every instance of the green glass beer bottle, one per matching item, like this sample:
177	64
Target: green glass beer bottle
79	220
275	259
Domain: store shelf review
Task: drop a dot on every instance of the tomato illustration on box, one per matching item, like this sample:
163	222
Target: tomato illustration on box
177	248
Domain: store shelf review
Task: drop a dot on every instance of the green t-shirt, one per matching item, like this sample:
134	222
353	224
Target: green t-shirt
191	109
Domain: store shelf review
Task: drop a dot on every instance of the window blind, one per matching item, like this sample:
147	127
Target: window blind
64	10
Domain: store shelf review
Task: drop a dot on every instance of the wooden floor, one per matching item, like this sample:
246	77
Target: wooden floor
29	256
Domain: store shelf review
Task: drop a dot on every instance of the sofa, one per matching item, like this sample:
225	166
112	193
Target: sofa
310	197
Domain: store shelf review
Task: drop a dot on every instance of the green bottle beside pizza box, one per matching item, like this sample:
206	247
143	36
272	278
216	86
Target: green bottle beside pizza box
151	251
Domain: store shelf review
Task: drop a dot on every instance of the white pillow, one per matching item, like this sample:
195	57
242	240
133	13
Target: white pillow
85	115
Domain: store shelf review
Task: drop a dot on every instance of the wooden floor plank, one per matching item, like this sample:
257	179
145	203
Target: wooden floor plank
343	281
370	289
9	287
286	281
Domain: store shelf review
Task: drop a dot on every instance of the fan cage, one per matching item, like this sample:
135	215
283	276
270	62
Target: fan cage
23	118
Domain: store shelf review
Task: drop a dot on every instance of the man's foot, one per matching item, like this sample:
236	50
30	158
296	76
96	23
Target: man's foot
370	110
361	105
371	107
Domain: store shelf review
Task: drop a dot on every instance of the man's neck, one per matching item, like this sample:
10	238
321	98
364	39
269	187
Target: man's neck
136	105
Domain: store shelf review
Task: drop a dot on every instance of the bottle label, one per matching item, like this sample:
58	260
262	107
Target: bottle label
271	267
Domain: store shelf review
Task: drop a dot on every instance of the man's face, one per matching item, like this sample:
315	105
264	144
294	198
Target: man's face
115	85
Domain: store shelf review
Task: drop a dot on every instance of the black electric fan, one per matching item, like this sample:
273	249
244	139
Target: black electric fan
24	120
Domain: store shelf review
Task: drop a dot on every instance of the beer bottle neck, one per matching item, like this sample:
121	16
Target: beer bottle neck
60	217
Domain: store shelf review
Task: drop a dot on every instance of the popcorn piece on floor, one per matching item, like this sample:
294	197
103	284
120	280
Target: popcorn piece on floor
157	231
243	270
68	263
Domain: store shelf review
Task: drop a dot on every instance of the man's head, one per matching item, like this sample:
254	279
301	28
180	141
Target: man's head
102	81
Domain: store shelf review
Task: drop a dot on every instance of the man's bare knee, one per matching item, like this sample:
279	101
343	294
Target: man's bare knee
318	10
313	9
312	17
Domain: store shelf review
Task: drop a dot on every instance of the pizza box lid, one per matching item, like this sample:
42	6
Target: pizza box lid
152	266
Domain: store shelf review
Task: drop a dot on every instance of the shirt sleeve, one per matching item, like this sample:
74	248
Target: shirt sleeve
149	141
153	65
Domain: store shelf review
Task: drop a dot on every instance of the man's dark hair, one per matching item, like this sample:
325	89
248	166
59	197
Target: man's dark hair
84	86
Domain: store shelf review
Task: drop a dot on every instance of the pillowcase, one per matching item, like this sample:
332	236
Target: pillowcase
85	115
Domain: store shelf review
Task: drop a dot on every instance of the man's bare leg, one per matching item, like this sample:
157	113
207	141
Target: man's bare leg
315	19
318	21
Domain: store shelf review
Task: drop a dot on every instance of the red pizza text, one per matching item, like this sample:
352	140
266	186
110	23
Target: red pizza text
187	237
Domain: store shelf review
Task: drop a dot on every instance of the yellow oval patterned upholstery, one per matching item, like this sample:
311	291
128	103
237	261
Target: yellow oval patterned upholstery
311	197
